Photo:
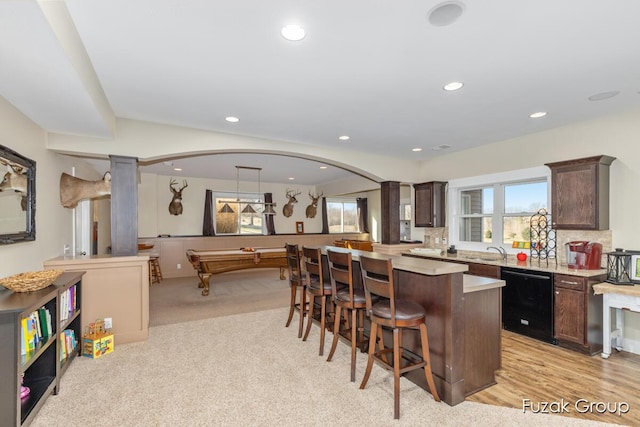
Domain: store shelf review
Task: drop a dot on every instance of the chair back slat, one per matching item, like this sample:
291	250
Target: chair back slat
340	272
377	278
293	264
312	262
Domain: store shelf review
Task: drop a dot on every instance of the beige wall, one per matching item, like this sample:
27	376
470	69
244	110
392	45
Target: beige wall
154	198
615	135
53	222
152	141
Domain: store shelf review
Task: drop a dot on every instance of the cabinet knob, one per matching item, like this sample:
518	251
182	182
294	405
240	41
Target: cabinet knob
557	293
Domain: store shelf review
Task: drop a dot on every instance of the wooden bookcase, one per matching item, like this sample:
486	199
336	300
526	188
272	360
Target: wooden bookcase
42	367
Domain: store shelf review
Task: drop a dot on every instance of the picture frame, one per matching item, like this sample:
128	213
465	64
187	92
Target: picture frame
299	227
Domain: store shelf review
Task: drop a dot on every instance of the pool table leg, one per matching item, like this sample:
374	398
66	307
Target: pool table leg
204	283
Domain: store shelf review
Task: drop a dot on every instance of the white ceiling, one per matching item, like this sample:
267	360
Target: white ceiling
370	69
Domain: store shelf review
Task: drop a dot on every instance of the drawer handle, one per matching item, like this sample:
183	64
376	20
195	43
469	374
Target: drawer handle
569	283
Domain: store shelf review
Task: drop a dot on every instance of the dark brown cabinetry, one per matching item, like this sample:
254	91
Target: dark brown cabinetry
580	193
429	200
577	313
42	367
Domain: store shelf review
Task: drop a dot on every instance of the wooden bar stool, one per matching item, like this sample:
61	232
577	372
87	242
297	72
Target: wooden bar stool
390	312
155	274
297	282
317	287
346	297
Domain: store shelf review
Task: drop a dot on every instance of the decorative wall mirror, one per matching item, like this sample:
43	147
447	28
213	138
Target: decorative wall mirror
17	197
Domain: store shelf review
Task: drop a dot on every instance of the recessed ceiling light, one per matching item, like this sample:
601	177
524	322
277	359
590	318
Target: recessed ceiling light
538	114
416	149
177	169
603	95
323	167
445	13
293	32
343	137
232	119
453	86
291	178
440	147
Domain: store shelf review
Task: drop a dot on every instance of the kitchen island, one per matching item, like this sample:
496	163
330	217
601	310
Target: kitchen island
463	320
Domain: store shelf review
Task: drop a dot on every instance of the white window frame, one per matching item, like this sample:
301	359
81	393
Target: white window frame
455	186
235	206
343	201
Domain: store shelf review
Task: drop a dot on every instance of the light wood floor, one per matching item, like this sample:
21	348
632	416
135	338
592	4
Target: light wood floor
530	370
543	372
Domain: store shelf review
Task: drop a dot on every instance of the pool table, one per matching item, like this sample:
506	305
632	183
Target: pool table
210	262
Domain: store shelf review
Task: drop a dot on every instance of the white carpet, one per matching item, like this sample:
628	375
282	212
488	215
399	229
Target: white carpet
249	370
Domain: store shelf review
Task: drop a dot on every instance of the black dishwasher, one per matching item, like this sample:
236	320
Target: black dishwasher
527	303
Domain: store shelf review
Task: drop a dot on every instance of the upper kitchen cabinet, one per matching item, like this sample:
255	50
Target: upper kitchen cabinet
429	199
580	193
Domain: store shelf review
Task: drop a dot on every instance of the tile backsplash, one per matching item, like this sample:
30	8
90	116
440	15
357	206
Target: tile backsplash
604	237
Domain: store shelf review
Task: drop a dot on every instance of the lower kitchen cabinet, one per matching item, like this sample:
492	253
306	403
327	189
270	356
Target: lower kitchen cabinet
577	313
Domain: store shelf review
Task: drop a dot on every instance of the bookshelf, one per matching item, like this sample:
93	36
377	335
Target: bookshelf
44	361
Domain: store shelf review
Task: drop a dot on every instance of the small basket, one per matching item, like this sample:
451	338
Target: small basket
30	281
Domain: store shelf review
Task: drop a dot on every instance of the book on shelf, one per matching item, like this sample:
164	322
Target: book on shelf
68	343
68	303
35	327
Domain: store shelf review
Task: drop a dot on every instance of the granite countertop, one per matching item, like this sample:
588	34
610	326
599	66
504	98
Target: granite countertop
477	283
427	267
493	259
607	288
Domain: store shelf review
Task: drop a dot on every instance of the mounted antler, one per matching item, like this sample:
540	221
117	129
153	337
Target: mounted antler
73	189
313	207
175	207
287	209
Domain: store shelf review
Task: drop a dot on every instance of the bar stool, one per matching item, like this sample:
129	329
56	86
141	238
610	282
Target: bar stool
155	274
390	312
296	281
317	287
347	298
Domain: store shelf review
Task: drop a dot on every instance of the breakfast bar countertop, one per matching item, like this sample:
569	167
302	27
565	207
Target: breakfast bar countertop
511	262
429	267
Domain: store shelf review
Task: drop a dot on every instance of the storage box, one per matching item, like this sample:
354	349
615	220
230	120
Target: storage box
96	345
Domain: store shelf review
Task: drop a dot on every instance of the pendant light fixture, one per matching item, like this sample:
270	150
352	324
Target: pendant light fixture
268	207
226	209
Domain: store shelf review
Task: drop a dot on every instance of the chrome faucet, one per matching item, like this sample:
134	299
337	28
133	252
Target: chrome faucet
503	252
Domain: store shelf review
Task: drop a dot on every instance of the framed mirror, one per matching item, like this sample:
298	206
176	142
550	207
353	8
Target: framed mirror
17	197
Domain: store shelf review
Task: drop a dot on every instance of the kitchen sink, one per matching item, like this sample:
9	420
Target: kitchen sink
492	259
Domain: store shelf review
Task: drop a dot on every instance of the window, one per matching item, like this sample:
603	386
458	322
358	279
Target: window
342	216
496	209
234	217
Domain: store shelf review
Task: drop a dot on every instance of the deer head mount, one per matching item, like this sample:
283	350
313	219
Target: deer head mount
312	209
287	209
13	180
175	207
73	189
16	181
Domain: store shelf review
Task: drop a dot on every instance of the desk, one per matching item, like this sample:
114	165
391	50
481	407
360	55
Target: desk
208	263
619	297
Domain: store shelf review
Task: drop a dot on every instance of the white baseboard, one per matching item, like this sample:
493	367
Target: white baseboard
632	346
